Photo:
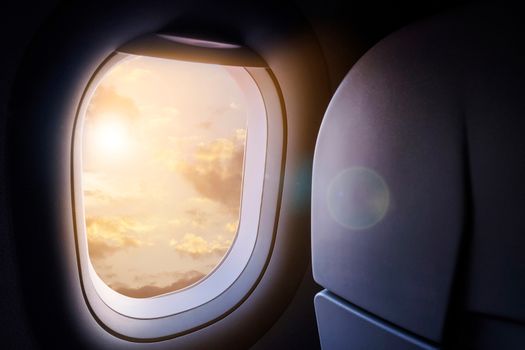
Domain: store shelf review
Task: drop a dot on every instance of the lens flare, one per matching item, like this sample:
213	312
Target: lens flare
358	198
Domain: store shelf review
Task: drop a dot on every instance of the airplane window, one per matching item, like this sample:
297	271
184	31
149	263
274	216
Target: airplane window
163	143
169	166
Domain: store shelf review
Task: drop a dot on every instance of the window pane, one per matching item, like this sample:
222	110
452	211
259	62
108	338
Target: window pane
162	159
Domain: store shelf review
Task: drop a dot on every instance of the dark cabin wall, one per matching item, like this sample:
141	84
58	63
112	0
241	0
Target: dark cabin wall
18	22
345	29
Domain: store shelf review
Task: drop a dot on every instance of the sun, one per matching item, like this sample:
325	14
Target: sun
111	136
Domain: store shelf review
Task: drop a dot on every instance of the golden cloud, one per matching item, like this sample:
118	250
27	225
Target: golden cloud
232	226
183	280
197	247
106	100
103	192
240	135
197	217
202	215
109	235
98	188
216	170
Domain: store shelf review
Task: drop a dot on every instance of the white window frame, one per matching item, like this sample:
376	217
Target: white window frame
231	282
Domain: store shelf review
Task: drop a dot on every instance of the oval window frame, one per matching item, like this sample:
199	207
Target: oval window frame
180	312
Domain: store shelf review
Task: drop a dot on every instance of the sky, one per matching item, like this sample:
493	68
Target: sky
162	157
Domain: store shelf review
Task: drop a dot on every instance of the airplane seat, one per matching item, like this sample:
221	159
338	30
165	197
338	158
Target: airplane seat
417	198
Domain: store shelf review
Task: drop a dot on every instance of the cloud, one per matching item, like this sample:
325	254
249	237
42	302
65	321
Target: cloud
99	188
216	170
184	280
99	249
232	226
201	216
197	247
109	235
197	217
108	194
107	101
240	135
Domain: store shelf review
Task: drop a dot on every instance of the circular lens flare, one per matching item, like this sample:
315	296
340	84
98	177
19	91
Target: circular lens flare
358	198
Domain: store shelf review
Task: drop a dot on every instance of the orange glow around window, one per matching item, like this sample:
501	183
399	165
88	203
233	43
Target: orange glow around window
162	163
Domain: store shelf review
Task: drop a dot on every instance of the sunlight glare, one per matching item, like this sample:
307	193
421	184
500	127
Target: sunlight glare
112	136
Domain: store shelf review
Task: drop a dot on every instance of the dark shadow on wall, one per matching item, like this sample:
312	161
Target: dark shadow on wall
18	24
